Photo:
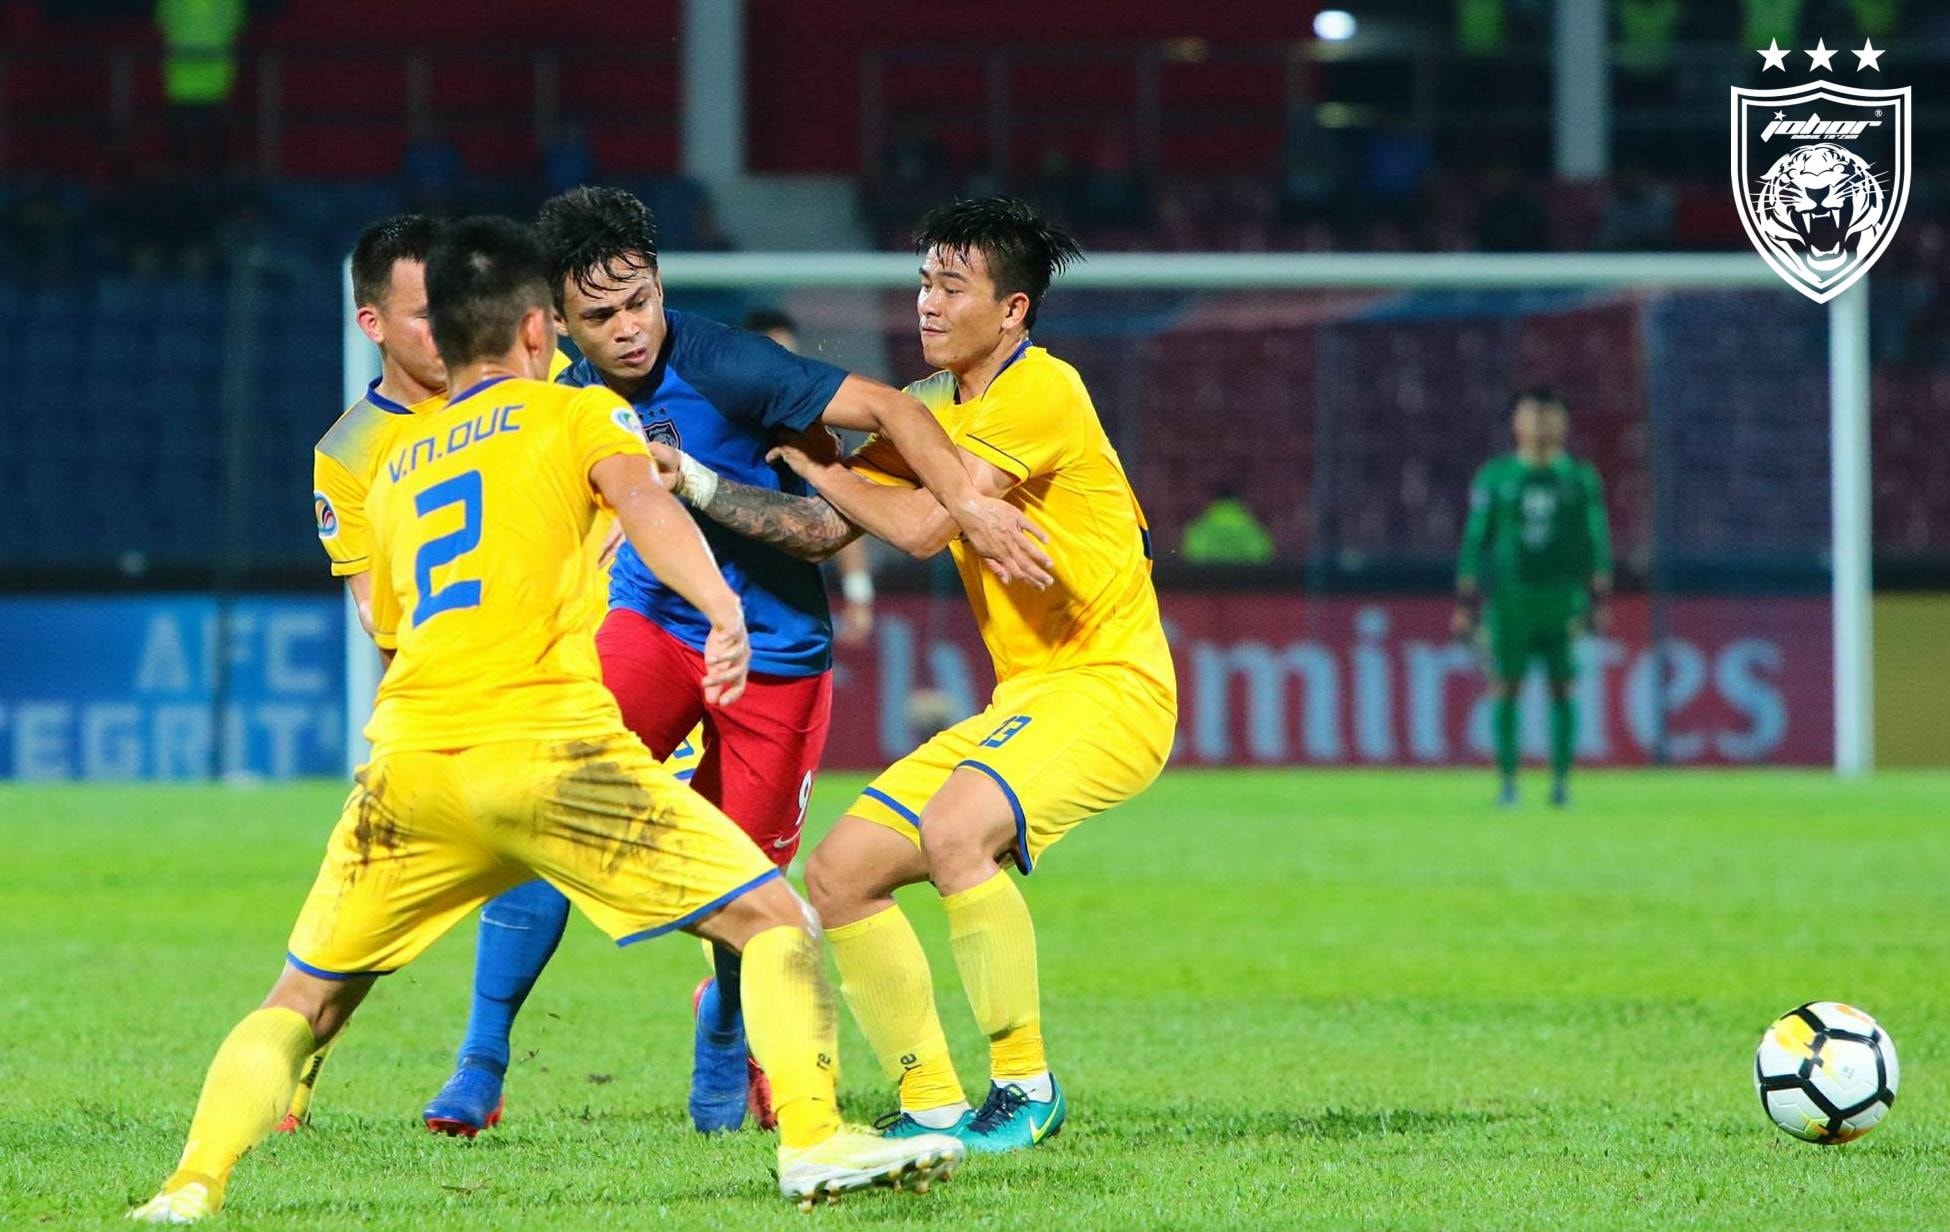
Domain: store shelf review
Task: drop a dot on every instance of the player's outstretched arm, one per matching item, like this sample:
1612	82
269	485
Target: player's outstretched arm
997	530
803	526
908	518
669	543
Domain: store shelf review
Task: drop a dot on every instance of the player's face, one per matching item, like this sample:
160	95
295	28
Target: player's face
617	321
401	327
962	319
1553	424
1527	424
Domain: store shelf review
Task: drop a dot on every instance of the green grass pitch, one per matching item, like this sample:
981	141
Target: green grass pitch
1276	999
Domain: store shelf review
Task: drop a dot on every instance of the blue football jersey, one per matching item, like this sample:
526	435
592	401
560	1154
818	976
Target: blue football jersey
721	395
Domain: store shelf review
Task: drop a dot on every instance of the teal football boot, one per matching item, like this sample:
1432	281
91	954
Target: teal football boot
1009	1120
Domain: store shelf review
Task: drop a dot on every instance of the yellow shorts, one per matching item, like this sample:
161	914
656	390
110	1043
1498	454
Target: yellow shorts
426	837
1062	746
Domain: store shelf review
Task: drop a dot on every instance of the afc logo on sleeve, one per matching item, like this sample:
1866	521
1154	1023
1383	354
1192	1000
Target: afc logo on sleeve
327	517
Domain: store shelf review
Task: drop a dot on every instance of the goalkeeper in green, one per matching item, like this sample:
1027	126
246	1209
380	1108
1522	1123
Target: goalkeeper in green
1540	513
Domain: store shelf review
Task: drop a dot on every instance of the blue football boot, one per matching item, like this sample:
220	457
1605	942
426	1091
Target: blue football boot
470	1102
720	1067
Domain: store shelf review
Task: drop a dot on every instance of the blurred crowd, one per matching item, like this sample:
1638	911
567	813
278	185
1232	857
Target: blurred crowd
162	222
1388	191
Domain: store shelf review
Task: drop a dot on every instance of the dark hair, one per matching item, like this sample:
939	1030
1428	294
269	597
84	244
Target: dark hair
588	232
395	238
1022	251
483	276
765	320
1543	395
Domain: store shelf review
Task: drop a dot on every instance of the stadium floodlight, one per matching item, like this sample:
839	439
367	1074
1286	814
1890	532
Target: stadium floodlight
1848	380
1334	25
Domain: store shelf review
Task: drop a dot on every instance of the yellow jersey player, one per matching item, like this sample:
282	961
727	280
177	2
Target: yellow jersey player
389	287
1085	704
498	756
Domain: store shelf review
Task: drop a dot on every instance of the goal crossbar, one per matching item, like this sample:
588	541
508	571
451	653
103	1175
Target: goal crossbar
1210	271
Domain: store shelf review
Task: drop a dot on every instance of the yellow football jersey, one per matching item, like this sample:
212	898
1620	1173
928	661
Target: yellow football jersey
1037	423
482	518
345	460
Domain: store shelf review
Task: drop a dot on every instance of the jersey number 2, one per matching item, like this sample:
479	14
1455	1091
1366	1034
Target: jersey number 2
464	490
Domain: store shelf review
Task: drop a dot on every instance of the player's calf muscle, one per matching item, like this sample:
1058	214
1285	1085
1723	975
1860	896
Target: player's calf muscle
325	1004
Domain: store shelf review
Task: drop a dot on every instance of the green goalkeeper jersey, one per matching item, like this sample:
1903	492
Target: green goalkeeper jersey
1544	525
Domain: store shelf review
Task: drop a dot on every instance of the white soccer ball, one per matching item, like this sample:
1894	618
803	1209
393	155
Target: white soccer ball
1826	1072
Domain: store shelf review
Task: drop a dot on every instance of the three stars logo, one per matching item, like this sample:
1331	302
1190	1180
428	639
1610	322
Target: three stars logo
1819	56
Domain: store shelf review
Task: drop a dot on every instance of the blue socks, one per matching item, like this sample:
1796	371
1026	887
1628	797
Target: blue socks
719	1012
519	933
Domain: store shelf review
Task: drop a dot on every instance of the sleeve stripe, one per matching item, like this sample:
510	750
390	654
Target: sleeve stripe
999	459
995	449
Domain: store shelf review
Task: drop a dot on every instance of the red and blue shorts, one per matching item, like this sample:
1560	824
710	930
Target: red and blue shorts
760	752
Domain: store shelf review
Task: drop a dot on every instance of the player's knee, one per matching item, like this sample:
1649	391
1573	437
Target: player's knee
953	852
828	882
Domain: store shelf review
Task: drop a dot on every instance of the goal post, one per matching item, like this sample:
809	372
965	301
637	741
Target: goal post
359	368
1849	546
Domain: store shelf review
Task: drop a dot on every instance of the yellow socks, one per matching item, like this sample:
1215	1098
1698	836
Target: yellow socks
247	1090
994	942
884	978
793	1029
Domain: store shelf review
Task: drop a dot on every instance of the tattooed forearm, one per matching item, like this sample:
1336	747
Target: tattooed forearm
804	526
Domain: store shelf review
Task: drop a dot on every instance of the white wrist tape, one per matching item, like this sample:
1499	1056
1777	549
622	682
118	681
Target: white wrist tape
857	587
697	483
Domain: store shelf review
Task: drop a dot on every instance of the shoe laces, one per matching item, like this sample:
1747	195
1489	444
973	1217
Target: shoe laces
1002	1103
